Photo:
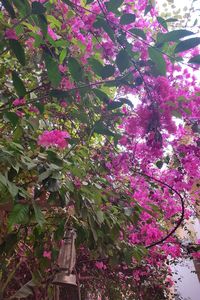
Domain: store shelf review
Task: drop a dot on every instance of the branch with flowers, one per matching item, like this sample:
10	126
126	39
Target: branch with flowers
100	133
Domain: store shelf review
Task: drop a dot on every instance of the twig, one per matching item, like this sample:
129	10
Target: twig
182	208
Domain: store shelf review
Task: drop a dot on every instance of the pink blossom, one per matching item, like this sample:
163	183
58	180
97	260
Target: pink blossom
34	109
47	254
100	265
52	34
30	43
11	34
19	113
196	255
54	138
63	103
62	68
19	101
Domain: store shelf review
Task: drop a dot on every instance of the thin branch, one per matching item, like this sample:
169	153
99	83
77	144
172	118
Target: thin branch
136	37
182	208
172	189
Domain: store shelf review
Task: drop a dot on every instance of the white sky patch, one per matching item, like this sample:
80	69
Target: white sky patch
183	6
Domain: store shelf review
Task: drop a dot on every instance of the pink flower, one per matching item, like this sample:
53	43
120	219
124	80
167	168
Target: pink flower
30	43
10	34
54	138
19	101
34	109
47	254
20	114
62	68
100	265
52	34
63	103
196	255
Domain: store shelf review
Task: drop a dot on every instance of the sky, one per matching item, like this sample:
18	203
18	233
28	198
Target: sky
181	4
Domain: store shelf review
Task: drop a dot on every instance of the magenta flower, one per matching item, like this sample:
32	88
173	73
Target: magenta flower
19	101
47	254
52	34
100	265
54	138
10	34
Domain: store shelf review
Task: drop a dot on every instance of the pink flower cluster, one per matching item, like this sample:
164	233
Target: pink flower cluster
10	34
47	254
100	265
54	138
19	101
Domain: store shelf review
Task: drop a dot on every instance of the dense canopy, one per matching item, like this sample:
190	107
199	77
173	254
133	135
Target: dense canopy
100	132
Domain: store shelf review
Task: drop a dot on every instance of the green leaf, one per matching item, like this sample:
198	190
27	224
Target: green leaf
162	22
96	66
127	19
195	60
52	70
174	35
38	8
119	103
7	5
18	51
101	95
68	2
42	21
113	5
12	188
3	179
114	105
126	101
93	228
62	55
122	60
139	252
100	128
138	32
147	9
44	175
89	1
18	85
40	219
75	69
18	215
40	107
159	164
54	158
171	20
158	59
187	44
61	95
17	134
187	110
23	7
177	114
107	71
100	216
101	23
12	117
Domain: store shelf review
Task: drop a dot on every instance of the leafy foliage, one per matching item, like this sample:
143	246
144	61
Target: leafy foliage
89	94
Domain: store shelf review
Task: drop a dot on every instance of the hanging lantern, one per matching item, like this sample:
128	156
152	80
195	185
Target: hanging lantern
67	260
